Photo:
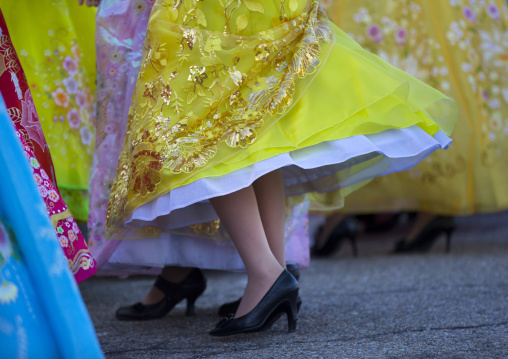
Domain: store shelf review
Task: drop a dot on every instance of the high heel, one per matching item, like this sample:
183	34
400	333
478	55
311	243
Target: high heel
279	300
229	309
190	289
428	236
347	228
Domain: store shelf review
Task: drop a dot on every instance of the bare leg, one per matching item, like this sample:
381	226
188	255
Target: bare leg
239	213
271	200
422	219
331	222
171	274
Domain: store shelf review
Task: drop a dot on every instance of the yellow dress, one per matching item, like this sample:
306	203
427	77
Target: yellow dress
55	44
230	91
461	50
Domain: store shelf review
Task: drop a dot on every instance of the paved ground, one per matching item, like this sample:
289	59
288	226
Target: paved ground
374	306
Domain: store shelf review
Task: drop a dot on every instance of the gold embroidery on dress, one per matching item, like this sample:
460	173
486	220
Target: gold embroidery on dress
198	89
82	259
209	228
149	231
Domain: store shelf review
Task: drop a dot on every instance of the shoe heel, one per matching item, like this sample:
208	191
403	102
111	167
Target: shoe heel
191	299
449	233
292	312
353	245
191	311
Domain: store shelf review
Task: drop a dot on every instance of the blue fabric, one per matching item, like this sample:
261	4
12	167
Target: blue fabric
42	314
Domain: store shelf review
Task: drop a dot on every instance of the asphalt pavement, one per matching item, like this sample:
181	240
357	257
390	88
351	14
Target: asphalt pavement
432	305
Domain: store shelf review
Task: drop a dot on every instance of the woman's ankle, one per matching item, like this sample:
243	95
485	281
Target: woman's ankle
153	296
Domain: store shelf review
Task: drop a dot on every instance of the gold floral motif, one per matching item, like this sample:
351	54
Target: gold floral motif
443	169
166	93
242	129
146	165
188	38
222	90
189	151
150	91
209	228
149	231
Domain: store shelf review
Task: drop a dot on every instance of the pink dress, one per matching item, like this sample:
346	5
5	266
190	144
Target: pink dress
20	106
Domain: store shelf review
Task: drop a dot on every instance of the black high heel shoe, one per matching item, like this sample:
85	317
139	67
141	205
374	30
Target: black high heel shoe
190	288
428	236
229	309
347	228
280	299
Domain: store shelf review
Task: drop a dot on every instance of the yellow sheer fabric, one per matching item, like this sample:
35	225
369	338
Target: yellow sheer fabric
462	50
224	86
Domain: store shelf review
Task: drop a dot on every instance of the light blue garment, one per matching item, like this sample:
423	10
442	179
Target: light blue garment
42	314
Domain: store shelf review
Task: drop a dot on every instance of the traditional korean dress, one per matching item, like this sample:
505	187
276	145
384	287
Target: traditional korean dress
22	112
42	314
121	30
228	92
461	48
55	44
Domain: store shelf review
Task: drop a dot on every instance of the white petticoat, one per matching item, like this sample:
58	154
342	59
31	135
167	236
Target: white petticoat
303	170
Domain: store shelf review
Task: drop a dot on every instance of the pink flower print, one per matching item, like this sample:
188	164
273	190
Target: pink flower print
75	52
72	236
81	99
53	195
38	179
34	163
86	135
43	191
469	14
123	68
71	85
64	242
30	121
493	11
110	128
44	174
115	56
75	227
74	119
374	33
70	65
60	97
495	123
401	36
47	184
67	224
139	6
112	71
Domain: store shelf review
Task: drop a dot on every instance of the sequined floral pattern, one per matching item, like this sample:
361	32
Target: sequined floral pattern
201	92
